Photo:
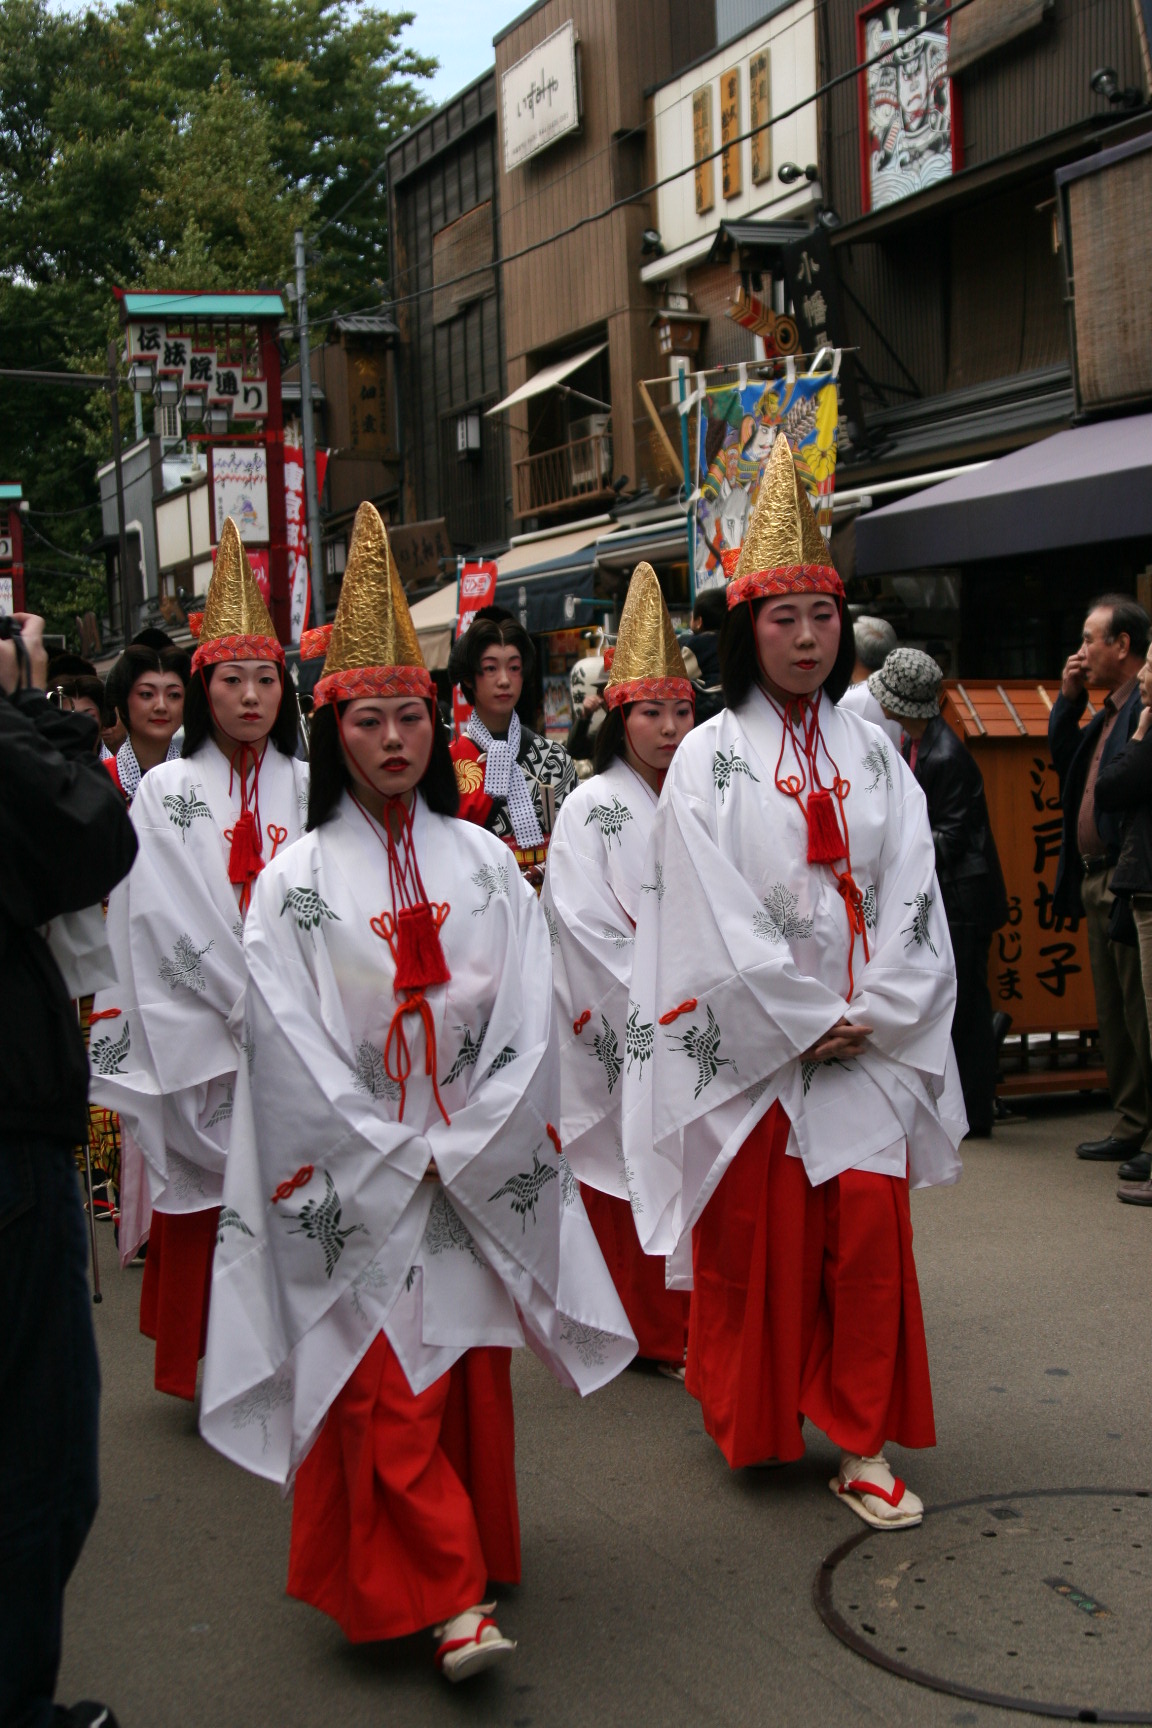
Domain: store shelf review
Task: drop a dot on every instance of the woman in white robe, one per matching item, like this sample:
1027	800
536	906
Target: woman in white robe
166	1038
794	974
592	894
398	1214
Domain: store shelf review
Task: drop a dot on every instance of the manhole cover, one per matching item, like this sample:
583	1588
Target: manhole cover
1036	1601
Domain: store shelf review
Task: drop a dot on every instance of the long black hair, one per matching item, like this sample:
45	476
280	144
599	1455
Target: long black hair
198	715
740	665
329	777
610	740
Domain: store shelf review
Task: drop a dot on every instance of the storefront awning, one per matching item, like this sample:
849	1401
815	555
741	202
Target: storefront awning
1077	488
435	618
547	377
654	542
551	596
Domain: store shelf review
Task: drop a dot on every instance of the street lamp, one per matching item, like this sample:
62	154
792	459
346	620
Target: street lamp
167	392
216	420
789	172
192	407
141	377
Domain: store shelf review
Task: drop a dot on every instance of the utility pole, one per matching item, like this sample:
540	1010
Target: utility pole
311	496
127	586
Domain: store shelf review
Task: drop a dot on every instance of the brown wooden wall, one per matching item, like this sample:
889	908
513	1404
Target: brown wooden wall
438	173
588	284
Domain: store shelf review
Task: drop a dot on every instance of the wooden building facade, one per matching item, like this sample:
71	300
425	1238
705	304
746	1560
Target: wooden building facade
444	190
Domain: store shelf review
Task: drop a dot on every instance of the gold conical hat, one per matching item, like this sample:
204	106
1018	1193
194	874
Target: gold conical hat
647	660
373	649
236	624
784	551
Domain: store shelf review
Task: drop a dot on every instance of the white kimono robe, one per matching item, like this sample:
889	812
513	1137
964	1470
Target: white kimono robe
168	1062
593	888
79	945
497	1251
751	943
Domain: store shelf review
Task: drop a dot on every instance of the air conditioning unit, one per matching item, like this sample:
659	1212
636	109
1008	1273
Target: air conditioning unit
166	422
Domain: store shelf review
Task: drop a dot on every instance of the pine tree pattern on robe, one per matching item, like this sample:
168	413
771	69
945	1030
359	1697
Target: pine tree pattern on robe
372	1078
370	1277
490	881
587	1342
569	1187
107	1054
319	1220
702	1044
222	1112
307	907
525	1189
259	1403
182	812
725	769
656	886
446	1232
553	929
780	921
609	818
918	931
879	766
607	1051
184	968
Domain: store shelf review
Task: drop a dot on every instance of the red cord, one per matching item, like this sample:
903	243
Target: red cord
675	1013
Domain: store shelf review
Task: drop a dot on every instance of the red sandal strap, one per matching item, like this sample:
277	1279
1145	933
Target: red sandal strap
892	1495
451	1644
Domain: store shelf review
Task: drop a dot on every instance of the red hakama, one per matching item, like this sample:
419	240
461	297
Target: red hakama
806	1303
174	1295
406	1505
657	1315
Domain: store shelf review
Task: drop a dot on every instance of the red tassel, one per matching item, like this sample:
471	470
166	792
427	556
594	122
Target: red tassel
420	959
244	860
825	841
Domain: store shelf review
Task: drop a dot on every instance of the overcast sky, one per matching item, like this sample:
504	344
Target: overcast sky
459	33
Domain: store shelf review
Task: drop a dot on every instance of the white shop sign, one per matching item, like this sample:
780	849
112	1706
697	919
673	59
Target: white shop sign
5	596
540	98
240	490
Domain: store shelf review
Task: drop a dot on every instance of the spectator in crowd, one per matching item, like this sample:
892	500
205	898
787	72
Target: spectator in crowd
147	687
586	682
708	615
80	694
907	687
875	639
1112	647
1124	788
65	840
512	781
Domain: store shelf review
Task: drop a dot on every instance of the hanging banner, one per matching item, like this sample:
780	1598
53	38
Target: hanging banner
296	529
476	588
240	490
736	429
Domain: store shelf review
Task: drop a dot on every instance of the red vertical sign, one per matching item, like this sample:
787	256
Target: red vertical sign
476	589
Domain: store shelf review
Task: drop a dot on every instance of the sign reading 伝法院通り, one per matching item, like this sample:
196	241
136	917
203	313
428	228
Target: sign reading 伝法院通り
540	97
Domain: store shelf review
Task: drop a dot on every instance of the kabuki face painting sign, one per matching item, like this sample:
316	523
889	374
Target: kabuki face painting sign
909	118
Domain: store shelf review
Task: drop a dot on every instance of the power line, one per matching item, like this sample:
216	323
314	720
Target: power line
679	174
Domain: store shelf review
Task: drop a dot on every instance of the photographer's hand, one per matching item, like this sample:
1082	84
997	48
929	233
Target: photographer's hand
12	660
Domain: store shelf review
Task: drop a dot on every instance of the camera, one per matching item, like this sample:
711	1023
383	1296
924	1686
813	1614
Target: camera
9	628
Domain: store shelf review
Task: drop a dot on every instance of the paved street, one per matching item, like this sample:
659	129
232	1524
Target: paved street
658	1587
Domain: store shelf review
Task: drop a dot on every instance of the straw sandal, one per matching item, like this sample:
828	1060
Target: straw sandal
868	1486
471	1642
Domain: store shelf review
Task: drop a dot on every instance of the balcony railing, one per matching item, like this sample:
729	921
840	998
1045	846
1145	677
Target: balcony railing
573	473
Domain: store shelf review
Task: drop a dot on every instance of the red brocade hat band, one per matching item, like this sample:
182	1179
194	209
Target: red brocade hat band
372	647
235	624
784	551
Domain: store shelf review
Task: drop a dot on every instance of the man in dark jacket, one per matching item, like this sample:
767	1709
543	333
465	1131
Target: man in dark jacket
907	687
65	840
1114	642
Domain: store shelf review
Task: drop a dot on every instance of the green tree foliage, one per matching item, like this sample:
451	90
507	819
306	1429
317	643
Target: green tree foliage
172	144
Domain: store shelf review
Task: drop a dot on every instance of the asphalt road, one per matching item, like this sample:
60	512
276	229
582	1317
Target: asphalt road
659	1588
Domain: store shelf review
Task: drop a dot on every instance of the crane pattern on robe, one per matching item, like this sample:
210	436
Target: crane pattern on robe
725	769
182	812
607	1049
319	1220
702	1044
230	1219
524	1190
184	968
609	818
639	1038
108	1054
918	931
307	907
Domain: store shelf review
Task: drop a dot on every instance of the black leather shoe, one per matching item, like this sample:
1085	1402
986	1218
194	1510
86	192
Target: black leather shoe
1138	1169
1109	1151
